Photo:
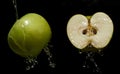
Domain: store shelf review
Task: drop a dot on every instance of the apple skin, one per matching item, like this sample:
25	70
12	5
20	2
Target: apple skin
29	35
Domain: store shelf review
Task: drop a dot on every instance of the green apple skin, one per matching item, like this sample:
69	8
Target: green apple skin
29	35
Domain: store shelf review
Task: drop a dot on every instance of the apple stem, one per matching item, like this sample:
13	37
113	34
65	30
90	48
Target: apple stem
15	6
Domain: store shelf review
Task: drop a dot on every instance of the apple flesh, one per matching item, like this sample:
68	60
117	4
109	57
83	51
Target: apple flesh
29	35
90	32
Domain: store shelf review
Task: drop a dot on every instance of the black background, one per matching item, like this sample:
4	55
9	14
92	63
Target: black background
57	13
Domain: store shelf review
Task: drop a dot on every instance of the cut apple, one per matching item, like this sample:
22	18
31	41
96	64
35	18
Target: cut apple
95	31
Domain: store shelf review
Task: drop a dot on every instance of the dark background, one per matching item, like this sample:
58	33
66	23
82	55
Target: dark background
66	57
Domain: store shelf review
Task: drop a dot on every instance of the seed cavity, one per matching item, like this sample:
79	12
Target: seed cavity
90	31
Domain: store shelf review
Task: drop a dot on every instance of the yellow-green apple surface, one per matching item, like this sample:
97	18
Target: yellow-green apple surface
29	35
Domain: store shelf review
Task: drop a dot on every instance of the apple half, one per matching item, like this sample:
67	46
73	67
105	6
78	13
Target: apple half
90	31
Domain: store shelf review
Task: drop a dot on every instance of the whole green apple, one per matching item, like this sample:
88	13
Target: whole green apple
29	35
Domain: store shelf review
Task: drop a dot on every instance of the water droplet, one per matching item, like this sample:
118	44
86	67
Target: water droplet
30	62
50	58
52	65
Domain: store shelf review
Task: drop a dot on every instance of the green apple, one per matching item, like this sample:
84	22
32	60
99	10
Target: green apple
29	35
